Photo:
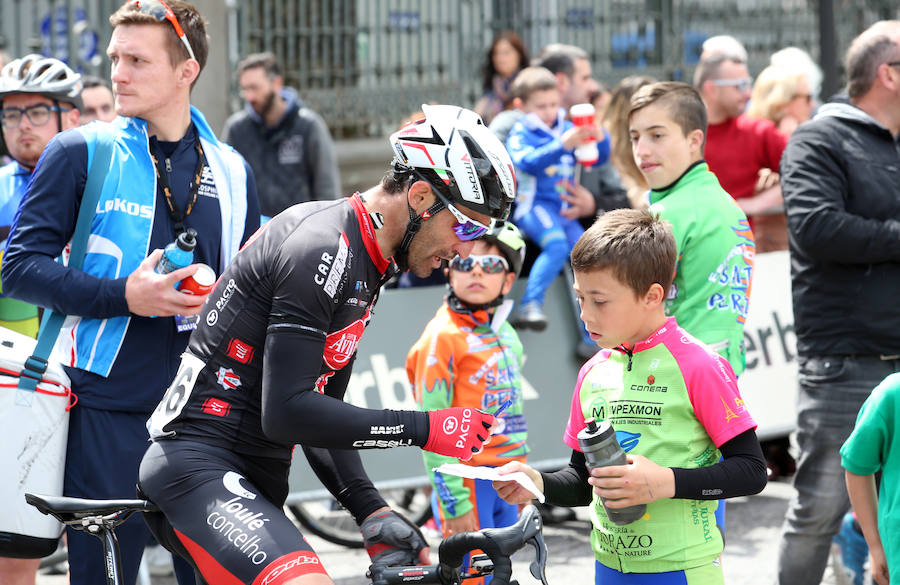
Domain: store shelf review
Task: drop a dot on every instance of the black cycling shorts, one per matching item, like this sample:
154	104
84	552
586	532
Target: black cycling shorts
218	519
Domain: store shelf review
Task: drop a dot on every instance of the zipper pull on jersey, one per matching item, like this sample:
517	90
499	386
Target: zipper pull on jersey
168	165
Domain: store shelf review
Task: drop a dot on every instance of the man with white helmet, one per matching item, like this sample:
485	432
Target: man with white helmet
268	366
39	97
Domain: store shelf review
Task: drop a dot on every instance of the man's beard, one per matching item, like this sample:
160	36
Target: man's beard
266	107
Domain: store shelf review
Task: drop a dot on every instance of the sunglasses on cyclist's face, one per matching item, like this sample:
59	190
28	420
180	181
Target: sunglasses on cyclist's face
465	228
490	263
161	11
38	115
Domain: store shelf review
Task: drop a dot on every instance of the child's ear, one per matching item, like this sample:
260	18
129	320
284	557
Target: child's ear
695	141
508	283
517	103
655	295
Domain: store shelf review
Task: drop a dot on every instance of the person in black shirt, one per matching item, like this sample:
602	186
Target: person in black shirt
269	364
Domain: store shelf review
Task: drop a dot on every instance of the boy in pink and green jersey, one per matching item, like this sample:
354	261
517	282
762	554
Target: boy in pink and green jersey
674	404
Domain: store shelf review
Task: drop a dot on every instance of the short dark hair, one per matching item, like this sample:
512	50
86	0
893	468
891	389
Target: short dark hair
867	52
680	100
89	81
188	17
266	61
560	58
558	63
636	245
397	179
532	79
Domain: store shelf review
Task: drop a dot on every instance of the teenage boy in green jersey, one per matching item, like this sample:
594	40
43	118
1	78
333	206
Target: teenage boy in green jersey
711	291
674	404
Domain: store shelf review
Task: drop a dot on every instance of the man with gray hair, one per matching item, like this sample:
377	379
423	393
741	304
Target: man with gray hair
839	177
724	45
737	147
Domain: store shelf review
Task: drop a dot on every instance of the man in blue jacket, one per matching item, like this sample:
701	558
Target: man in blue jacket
168	172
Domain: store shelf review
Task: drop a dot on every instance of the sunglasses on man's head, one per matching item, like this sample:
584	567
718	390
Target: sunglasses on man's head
161	11
490	263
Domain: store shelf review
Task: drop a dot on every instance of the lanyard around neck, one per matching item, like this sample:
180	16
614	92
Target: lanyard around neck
162	180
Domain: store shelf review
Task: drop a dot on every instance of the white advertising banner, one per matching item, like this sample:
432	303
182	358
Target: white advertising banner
769	384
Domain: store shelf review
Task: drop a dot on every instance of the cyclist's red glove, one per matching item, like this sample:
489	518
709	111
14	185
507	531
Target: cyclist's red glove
458	432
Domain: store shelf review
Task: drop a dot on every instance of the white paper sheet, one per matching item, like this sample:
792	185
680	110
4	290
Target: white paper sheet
490	473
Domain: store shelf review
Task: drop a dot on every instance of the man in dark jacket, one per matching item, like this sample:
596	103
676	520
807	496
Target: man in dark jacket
842	197
287	144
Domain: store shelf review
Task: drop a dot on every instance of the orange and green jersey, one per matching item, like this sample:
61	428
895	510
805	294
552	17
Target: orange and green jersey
460	360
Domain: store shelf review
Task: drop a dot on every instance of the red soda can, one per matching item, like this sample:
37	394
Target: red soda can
201	283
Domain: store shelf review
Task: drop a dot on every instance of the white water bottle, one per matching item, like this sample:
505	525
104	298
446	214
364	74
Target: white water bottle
586	153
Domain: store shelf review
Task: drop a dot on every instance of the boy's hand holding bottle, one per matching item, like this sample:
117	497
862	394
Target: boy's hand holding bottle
575	135
641	481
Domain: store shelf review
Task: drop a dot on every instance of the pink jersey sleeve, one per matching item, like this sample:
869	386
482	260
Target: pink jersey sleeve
576	414
713	391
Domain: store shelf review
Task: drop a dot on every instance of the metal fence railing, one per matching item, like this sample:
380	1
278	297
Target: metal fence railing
365	65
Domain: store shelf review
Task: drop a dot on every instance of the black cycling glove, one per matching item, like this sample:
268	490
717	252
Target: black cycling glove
391	540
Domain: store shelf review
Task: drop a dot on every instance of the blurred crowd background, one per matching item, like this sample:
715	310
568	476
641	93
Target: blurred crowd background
365	65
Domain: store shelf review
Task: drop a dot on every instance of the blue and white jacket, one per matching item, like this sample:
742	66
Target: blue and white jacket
542	163
101	342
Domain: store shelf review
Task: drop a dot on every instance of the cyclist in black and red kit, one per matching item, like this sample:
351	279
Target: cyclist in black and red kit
268	366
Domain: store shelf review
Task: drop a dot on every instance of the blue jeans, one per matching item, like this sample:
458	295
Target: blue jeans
556	236
832	389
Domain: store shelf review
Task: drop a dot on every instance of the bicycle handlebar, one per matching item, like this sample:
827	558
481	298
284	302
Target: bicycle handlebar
497	543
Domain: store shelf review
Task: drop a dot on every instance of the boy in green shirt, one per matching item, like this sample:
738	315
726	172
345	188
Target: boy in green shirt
711	291
872	447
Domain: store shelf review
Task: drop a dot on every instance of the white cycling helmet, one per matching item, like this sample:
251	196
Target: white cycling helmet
453	150
41	75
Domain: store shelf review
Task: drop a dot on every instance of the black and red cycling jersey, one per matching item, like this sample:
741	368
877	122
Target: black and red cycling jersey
269	363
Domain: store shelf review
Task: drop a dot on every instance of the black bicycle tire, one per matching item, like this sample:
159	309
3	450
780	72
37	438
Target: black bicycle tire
351	538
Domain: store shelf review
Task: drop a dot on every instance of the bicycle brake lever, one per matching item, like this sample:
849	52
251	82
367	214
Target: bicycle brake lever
538	566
